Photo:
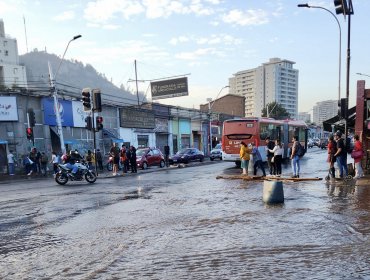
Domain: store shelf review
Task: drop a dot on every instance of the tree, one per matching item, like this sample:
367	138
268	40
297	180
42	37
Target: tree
276	111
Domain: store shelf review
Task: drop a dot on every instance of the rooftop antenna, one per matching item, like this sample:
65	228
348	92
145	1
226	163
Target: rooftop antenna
25	32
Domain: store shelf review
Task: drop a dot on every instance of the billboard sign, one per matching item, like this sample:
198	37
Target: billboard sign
65	110
79	114
136	118
169	88
8	108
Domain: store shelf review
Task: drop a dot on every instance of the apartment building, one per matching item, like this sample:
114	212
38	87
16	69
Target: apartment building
324	110
304	116
12	75
275	80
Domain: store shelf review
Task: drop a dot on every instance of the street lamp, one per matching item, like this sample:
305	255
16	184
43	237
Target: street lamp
53	89
209	100
361	74
340	38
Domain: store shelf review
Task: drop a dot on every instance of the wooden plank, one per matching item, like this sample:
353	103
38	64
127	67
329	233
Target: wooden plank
251	178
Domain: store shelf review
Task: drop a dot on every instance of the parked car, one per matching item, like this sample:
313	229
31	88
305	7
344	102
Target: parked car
187	155
310	143
146	157
323	143
216	153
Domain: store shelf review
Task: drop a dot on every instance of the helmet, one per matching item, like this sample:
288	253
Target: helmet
338	133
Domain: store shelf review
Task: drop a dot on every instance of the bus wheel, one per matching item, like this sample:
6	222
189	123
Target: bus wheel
238	164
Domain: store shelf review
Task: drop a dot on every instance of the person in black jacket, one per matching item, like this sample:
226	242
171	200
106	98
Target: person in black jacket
133	159
270	146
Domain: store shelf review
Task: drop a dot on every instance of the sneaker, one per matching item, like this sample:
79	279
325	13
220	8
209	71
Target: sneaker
29	173
297	176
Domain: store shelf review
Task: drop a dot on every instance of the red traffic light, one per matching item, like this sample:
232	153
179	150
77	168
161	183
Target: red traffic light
99	119
29	132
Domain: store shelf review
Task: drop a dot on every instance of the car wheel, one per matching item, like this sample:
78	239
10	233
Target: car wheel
212	159
161	164
201	159
145	166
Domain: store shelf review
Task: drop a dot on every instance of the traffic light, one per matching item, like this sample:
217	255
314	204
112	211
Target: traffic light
99	123
342	110
96	95
29	132
341	7
88	122
86	99
31	117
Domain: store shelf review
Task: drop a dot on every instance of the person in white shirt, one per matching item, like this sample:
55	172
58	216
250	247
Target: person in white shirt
54	161
278	156
11	163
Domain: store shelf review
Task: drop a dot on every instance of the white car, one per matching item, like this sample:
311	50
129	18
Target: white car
216	153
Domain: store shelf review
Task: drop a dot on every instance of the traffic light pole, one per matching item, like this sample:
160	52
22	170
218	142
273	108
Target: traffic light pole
94	135
348	65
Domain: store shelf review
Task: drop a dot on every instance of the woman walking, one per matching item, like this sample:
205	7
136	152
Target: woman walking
244	157
278	156
332	149
357	149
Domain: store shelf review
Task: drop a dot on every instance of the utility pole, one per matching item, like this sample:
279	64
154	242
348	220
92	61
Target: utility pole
137	87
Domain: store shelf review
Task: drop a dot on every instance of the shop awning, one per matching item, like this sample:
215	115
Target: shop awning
340	124
2	142
112	134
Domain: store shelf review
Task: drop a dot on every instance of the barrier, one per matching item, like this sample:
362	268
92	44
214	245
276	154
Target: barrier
273	192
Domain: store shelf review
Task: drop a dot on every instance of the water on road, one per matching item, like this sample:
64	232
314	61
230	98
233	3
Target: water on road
185	224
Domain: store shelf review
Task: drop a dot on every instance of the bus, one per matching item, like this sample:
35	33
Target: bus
256	130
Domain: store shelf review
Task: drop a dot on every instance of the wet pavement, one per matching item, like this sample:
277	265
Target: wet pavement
183	223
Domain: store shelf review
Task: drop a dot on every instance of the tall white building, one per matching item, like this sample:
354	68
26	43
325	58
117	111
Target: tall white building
275	80
324	110
11	73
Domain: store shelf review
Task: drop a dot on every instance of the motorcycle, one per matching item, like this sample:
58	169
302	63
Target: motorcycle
65	174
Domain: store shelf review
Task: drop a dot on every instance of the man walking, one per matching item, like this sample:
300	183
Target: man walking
257	159
114	152
133	159
99	159
295	158
270	146
341	155
11	163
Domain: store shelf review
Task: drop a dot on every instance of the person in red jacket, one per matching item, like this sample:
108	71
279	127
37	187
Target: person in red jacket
358	167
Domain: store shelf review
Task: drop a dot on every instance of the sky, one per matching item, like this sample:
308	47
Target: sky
207	40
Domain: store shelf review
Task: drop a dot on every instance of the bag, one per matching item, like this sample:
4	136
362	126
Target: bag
30	161
357	154
273	159
300	150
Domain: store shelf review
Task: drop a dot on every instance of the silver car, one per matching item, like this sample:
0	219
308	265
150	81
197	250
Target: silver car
216	153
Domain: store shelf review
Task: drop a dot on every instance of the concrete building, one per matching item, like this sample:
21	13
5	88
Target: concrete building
230	104
275	80
12	75
304	116
324	110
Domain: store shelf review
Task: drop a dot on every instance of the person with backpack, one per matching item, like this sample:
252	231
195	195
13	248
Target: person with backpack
332	149
296	153
341	155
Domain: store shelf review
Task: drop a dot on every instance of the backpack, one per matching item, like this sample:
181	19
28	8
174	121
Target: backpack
300	150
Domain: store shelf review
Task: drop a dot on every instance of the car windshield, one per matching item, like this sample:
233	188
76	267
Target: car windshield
141	152
183	152
218	146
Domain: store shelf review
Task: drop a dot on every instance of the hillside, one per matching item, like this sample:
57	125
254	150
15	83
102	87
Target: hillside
72	77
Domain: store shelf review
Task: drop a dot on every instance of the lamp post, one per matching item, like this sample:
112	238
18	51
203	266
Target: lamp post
209	100
54	90
340	39
361	74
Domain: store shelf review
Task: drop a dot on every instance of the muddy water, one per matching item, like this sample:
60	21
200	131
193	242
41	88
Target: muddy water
185	224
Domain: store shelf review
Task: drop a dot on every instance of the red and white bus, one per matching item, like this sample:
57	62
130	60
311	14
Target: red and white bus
256	130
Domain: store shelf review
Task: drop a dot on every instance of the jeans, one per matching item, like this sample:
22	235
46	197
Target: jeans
11	168
259	164
359	171
296	168
73	167
342	165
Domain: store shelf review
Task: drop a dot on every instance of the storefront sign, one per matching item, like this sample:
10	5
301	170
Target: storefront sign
8	108
136	118
79	114
169	88
65	110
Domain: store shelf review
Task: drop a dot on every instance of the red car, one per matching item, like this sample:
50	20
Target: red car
146	157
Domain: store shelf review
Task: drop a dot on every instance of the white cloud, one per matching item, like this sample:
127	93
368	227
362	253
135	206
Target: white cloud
249	17
67	15
180	39
197	54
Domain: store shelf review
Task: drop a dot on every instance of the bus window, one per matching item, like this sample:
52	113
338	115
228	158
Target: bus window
296	131
268	130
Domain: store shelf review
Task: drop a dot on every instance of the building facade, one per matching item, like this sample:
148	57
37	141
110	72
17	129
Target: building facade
275	80
304	116
230	104
324	110
12	75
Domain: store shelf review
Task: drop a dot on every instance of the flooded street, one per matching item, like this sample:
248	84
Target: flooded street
183	223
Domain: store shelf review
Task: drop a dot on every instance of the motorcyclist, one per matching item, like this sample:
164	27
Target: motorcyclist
70	160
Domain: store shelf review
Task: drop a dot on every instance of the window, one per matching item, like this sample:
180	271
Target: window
268	130
6	53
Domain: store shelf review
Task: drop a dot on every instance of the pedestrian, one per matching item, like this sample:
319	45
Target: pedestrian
295	158
44	163
114	152
133	159
89	159
28	165
99	159
11	163
357	155
269	155
123	158
167	155
277	159
332	149
257	159
33	157
38	162
341	155
54	161
244	157
127	161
